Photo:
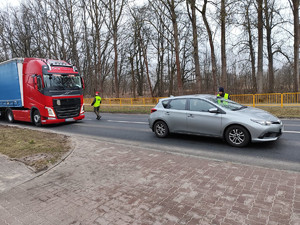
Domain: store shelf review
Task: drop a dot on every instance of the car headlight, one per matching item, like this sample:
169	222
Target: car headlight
262	122
50	111
82	109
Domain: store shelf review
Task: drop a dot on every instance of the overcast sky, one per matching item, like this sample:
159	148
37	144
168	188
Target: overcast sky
4	3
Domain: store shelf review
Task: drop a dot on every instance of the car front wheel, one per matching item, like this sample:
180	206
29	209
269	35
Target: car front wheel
161	129
237	136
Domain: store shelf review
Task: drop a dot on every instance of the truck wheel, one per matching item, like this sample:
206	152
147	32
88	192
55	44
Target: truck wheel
37	118
10	116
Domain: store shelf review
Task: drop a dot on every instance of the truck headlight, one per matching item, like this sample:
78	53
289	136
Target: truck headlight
50	111
262	122
81	109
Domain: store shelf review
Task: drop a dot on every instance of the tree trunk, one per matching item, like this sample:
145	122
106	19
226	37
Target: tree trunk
252	52
296	45
260	45
116	64
176	40
132	76
147	70
212	48
269	48
195	44
223	45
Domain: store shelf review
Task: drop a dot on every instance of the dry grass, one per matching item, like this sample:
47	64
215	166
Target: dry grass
285	112
121	109
34	148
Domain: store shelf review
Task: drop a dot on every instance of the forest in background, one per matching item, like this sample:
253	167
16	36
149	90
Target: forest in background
127	48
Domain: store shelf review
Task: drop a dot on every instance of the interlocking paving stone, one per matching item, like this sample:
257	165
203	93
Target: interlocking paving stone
108	183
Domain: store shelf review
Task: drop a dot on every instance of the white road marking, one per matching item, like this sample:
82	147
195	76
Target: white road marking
294	132
121	121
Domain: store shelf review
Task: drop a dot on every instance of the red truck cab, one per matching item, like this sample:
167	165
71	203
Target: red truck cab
52	92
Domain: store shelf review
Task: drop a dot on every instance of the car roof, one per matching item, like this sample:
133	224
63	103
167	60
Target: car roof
206	96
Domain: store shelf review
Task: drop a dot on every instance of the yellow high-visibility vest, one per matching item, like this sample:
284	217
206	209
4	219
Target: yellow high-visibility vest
98	101
225	95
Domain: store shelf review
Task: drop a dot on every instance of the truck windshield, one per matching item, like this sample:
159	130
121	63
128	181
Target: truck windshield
62	81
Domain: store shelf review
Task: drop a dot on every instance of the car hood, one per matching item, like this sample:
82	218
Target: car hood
259	114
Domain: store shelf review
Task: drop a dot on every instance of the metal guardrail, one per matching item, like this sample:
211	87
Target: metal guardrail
269	99
147	101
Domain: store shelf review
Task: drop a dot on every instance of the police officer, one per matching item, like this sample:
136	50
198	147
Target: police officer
96	103
222	93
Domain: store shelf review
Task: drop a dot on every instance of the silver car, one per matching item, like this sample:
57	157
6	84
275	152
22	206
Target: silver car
209	115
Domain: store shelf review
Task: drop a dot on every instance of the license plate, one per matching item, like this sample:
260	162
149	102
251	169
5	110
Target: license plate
69	119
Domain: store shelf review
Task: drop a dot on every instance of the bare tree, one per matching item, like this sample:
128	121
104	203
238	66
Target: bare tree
295	8
248	28
211	43
115	10
223	43
260	45
272	19
171	6
192	15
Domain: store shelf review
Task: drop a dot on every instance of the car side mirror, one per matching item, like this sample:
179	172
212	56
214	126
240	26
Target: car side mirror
214	110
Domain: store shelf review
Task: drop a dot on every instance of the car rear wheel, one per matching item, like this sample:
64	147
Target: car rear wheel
161	129
10	116
37	118
237	136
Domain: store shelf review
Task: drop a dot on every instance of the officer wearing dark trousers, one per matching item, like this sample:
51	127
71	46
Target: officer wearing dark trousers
96	103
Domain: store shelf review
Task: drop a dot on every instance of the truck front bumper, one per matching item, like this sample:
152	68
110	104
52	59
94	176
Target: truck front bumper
47	120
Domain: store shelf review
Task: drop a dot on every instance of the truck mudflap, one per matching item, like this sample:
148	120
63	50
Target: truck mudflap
53	121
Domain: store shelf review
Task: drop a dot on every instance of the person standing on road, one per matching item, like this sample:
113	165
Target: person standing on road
222	93
96	103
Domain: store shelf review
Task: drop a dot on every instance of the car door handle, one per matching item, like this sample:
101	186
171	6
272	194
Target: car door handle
191	116
167	113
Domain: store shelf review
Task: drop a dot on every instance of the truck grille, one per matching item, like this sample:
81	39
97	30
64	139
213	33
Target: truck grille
66	107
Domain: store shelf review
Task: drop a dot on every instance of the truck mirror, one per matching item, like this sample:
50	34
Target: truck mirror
39	83
35	82
82	82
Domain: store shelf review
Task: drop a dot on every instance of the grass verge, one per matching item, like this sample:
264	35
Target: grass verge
285	112
121	109
34	148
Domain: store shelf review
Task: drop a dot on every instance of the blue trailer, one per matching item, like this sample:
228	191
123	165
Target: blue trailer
11	84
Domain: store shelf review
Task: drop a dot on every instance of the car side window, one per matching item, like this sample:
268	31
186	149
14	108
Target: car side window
165	103
200	105
178	104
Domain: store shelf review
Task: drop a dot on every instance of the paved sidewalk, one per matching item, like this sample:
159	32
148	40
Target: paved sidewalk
108	183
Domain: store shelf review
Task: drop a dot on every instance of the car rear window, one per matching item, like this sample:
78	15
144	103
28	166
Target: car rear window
165	103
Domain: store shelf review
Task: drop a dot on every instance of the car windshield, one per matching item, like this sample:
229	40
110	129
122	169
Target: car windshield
227	104
62	81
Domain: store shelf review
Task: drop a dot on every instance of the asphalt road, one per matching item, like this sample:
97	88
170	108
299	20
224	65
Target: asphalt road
134	130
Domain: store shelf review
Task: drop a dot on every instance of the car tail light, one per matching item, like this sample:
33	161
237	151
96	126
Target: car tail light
153	110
